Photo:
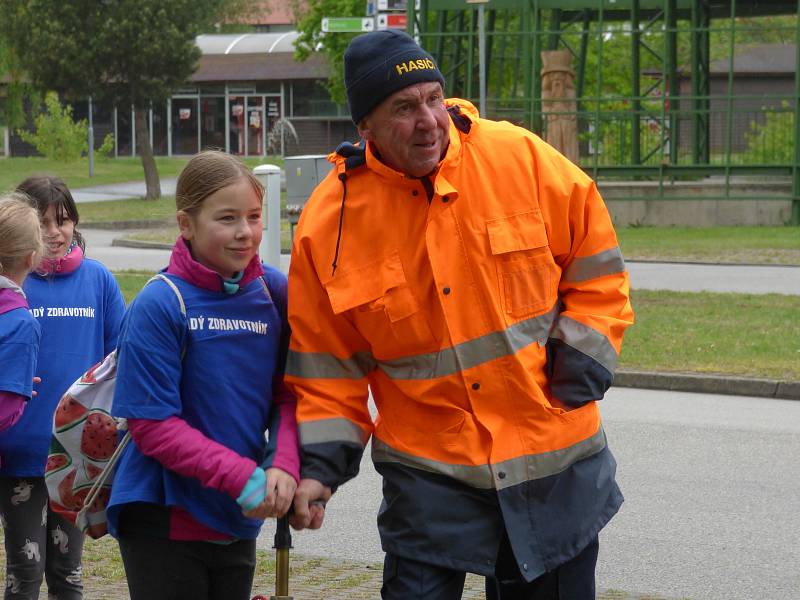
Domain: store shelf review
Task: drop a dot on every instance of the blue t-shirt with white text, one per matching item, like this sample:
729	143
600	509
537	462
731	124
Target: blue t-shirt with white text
80	315
19	347
232	346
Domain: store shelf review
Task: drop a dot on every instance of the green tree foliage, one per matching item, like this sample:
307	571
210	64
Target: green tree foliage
57	135
132	52
331	45
772	140
17	90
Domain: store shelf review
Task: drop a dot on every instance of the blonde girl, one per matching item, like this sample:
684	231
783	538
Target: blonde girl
20	334
200	390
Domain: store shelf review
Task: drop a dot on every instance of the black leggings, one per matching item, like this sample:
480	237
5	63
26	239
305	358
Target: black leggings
39	543
162	569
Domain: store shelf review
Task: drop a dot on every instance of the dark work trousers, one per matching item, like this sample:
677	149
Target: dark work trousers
405	579
162	569
40	544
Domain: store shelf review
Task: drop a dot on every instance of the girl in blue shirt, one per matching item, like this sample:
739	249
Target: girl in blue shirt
20	251
199	388
79	306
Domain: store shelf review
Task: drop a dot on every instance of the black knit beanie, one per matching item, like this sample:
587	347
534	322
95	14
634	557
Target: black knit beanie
379	63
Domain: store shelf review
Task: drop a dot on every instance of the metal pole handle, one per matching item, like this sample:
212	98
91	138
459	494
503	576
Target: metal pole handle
282	545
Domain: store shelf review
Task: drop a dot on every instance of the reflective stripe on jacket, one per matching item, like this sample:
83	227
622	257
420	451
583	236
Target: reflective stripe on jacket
465	312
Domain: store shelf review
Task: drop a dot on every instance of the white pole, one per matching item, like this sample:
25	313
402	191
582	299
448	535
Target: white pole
270	249
90	134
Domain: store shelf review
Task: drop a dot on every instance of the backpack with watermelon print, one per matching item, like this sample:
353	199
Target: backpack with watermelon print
85	445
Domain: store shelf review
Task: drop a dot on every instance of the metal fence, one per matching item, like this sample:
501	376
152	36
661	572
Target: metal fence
665	90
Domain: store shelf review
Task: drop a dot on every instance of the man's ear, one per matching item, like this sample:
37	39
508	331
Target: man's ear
364	130
185	224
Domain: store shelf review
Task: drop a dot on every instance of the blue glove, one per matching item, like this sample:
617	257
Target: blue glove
253	492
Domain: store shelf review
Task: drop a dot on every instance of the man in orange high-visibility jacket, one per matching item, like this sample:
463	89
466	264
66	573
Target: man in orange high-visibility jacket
469	275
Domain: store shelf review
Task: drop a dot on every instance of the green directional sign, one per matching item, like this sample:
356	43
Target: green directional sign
347	24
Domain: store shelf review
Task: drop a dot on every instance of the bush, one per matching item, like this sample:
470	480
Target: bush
771	141
106	149
56	135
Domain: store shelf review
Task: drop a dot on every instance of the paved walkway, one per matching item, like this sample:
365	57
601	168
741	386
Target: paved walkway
685	277
121	191
743	279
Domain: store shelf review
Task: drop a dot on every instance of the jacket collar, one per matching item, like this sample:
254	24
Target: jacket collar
183	264
61	266
11	295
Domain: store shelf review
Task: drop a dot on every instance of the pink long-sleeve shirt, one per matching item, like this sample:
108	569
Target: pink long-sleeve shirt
185	450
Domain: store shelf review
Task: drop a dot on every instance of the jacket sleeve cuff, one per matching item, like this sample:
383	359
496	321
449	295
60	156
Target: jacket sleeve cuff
330	463
575	378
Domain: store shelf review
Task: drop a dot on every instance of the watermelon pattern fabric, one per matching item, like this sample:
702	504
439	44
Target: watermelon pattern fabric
85	436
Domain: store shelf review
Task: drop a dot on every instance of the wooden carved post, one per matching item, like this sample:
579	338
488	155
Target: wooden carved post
558	102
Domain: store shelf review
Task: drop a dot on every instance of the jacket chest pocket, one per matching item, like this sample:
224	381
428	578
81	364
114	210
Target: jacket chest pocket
382	306
526	273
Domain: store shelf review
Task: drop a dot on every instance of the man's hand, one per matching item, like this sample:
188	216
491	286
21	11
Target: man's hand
309	504
278	494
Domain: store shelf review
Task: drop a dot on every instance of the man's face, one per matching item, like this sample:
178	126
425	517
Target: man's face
410	129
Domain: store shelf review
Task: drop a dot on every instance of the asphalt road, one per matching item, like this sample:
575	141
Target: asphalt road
712	511
715	278
649	276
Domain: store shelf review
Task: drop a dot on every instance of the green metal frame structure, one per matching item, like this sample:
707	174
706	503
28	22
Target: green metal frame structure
664	121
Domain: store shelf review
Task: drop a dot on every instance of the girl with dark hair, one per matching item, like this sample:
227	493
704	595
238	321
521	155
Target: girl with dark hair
79	307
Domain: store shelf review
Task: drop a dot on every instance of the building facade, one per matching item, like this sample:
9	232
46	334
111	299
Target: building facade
248	96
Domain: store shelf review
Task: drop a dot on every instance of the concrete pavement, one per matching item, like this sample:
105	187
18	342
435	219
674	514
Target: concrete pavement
121	191
687	277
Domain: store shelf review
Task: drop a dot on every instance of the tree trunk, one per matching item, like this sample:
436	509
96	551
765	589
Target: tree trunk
145	148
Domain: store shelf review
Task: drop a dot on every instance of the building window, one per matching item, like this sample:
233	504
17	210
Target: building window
311	99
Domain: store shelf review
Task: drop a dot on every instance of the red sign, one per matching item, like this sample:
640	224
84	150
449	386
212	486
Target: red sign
392	21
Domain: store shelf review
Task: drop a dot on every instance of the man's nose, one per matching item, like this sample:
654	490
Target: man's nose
427	118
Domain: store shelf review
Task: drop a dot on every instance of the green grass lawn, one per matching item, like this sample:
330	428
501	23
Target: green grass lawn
736	334
130	282
757	245
135	209
113	170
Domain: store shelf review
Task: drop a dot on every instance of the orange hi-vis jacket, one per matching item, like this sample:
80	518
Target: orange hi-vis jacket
466	301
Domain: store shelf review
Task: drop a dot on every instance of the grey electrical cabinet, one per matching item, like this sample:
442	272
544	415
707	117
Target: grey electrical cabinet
303	174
